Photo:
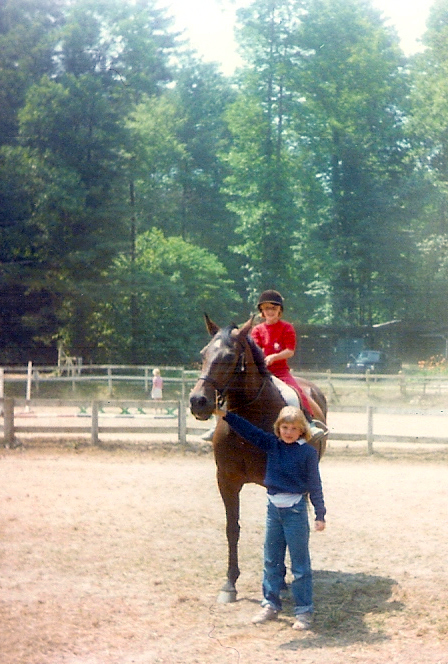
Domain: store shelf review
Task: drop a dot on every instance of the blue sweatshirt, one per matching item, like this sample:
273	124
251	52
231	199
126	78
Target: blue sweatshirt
290	467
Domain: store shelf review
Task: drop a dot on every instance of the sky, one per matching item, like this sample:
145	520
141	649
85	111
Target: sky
209	25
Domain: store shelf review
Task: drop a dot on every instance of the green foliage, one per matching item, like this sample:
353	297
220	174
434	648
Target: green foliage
430	98
26	52
429	139
172	283
264	180
177	141
354	93
73	199
139	186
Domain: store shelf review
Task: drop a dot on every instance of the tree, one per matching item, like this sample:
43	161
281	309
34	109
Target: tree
176	282
202	96
178	138
428	134
73	128
26	51
263	183
349	122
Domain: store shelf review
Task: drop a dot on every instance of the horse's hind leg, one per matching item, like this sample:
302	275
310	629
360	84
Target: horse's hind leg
230	493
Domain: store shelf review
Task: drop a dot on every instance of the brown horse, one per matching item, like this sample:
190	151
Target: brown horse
234	371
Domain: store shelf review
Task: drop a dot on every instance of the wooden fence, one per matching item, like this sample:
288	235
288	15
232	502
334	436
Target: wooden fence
94	412
34	377
339	388
148	417
432	429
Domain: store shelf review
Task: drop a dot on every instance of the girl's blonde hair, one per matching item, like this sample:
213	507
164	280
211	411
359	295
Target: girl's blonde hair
156	372
291	414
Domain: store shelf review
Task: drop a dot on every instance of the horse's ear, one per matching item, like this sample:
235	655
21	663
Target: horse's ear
246	328
212	328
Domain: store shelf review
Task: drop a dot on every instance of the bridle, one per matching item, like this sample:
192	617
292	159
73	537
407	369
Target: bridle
239	368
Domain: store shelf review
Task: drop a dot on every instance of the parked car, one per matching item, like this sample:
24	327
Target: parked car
377	361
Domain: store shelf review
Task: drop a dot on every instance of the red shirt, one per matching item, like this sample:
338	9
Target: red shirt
273	339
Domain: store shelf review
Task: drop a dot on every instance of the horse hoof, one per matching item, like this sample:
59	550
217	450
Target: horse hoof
227	596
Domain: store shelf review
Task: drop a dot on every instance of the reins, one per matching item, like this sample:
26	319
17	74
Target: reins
258	395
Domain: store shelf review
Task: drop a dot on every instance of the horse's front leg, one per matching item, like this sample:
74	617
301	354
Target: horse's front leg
230	493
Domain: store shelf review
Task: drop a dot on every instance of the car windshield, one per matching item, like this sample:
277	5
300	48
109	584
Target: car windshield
369	356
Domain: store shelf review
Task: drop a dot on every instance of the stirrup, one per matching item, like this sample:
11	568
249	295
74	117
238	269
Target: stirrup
318	430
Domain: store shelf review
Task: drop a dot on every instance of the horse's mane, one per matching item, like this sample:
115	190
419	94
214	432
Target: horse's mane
257	353
258	356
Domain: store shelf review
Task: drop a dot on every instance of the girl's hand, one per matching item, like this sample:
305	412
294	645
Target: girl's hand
269	359
319	525
220	412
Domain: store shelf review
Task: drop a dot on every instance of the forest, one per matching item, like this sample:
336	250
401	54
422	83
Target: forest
140	187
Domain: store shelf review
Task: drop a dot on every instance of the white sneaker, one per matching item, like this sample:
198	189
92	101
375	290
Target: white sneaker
266	613
303	621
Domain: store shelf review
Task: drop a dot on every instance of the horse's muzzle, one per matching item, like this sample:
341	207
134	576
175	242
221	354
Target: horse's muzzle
201	407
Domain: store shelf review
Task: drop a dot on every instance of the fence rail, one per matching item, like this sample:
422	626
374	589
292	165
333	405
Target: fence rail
94	412
11	428
35	376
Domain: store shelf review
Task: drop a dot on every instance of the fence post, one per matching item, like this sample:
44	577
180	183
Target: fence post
36	380
370	429
2	382
146	380
29	378
402	378
94	431
182	423
331	386
182	375
8	422
109	380
368	381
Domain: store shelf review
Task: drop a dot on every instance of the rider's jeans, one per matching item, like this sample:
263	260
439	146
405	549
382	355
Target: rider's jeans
288	527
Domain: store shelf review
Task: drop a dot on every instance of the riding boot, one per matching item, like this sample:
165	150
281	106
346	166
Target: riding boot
308	416
305	404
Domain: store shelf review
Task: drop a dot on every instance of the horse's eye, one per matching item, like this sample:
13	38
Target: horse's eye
227	358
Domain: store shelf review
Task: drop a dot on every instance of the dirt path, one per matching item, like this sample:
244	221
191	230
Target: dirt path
116	557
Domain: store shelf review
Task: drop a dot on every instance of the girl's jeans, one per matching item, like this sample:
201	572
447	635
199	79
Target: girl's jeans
288	527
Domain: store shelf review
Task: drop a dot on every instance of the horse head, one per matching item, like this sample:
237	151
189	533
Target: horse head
223	360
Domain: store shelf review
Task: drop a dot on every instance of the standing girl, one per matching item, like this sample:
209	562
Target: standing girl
157	385
292	472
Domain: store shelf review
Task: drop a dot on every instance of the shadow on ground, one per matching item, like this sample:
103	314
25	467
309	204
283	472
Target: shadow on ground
343	602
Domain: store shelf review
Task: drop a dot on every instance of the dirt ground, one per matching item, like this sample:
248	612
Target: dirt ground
116	556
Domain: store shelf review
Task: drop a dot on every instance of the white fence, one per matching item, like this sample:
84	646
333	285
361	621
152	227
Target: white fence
335	386
33	377
148	417
170	417
383	424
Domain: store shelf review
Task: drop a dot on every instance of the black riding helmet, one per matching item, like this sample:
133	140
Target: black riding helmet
271	297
